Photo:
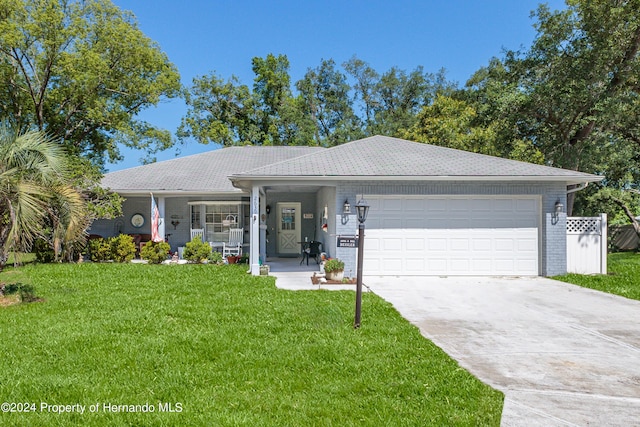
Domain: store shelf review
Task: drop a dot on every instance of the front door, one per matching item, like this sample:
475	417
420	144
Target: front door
288	228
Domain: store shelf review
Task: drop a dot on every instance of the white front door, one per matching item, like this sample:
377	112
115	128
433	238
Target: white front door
288	228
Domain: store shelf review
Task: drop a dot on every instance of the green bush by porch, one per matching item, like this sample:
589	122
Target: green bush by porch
230	347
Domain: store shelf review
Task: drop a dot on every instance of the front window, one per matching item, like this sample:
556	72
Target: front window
216	218
219	219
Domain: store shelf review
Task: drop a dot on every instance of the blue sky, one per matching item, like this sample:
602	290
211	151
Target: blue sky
202	37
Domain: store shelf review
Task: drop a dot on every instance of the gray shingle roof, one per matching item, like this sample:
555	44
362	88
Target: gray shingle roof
205	172
376	157
381	156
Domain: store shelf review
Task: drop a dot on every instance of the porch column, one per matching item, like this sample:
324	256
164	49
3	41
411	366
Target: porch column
263	228
161	228
254	232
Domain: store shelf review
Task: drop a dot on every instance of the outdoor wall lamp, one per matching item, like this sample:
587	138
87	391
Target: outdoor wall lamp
558	209
175	223
268	209
346	208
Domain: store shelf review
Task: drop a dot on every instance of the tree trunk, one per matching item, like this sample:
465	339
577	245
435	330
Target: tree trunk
571	198
629	214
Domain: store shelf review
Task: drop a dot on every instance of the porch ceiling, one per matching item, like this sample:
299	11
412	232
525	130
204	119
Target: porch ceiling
287	188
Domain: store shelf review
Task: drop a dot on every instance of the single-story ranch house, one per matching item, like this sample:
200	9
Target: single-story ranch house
434	210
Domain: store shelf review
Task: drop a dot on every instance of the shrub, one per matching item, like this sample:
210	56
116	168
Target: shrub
99	250
122	248
25	292
333	264
44	252
196	250
216	258
155	252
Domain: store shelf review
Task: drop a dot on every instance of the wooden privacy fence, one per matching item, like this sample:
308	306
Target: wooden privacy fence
587	245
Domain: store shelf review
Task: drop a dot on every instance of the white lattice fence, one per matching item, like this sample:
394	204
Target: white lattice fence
587	245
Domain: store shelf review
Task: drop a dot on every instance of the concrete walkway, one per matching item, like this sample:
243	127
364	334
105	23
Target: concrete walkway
292	275
561	354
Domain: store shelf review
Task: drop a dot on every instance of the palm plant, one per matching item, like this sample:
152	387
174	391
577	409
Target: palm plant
34	191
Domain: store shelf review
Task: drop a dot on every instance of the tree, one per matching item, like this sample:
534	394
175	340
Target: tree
220	112
80	71
34	190
325	94
230	113
455	123
366	79
325	110
574	93
450	123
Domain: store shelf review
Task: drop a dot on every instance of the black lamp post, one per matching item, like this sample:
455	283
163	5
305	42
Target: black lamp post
362	209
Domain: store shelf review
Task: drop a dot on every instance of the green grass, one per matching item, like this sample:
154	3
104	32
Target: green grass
623	278
22	258
230	348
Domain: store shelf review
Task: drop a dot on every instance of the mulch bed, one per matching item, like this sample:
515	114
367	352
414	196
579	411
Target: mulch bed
316	281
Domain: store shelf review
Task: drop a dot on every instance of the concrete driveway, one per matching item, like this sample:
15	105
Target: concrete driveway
561	354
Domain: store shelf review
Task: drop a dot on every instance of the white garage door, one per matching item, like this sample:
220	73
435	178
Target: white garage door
450	235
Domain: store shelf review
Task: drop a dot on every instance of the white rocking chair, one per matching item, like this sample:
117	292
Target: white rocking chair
234	246
197	232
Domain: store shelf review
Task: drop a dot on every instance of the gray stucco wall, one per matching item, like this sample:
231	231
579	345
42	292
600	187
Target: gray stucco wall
552	233
325	198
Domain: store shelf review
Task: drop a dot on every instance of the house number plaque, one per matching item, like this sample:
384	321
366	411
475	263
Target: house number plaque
347	242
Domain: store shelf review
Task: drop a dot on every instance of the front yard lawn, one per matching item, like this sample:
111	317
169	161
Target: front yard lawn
623	278
219	347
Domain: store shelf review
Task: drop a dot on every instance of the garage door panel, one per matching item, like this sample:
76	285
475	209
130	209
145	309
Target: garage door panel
437	265
504	266
393	265
452	235
415	244
391	244
415	265
459	244
435	244
481	266
481	244
371	244
502	244
459	266
527	245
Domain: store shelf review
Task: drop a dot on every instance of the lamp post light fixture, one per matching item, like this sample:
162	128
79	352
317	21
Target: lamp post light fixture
362	209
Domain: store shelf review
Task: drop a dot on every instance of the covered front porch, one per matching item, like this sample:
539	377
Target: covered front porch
285	218
212	218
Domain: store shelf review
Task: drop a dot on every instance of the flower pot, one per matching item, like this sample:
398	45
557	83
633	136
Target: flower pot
232	259
335	275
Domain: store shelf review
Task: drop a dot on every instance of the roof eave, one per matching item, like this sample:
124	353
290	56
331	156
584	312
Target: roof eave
571	179
145	192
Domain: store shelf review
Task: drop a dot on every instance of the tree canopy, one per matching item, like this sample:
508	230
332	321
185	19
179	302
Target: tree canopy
329	105
574	94
81	71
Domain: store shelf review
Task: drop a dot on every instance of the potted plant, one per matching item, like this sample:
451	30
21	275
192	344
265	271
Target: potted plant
334	269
